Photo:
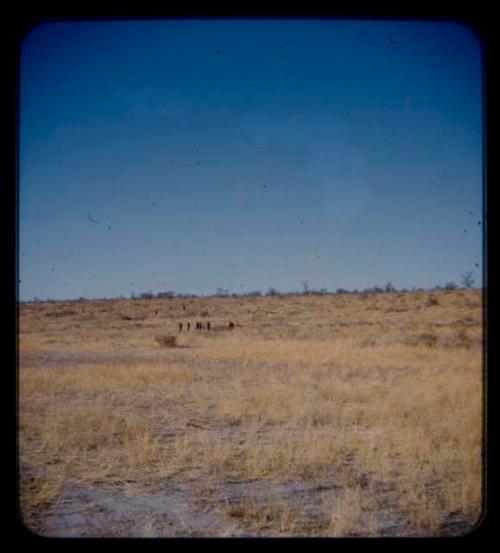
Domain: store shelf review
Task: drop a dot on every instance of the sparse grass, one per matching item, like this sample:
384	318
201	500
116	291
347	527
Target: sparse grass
378	399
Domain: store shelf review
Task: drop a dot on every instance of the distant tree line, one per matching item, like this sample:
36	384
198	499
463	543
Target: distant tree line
466	282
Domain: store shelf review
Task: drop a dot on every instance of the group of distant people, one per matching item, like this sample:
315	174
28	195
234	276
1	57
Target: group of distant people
201	326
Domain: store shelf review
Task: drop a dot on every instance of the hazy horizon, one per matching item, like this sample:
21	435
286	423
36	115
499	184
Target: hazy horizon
268	292
194	155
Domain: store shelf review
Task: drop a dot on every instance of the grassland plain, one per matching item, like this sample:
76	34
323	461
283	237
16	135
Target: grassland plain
318	415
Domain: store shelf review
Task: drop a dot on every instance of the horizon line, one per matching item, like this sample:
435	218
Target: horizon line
271	292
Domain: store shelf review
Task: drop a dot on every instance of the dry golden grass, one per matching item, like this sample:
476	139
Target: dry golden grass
373	404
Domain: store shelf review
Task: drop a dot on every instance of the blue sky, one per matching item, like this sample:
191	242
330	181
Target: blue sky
189	155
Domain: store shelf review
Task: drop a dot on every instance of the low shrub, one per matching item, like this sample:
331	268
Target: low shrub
167	341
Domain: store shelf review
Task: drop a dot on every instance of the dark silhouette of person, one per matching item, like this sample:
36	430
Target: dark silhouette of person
180	327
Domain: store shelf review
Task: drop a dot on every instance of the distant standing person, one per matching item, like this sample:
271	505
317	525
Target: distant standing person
180	327
208	326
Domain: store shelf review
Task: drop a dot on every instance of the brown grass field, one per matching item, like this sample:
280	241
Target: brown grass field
318	415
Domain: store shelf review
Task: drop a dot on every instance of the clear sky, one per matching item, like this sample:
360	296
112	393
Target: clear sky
189	155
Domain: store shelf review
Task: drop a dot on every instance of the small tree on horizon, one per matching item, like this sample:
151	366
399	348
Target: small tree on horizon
389	287
466	280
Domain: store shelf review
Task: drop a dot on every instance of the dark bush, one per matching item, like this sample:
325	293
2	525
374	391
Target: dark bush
425	338
166	341
458	339
255	293
432	300
389	287
167	295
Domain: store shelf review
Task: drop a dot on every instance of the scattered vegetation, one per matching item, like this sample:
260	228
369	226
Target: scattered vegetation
466	280
349	414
